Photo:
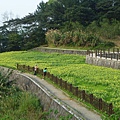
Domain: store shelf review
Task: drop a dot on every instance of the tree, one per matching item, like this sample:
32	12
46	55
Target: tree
80	14
109	9
13	42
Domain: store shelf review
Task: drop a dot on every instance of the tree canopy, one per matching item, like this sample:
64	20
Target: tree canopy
29	31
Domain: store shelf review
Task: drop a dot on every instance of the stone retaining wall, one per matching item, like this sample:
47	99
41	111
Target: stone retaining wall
103	62
63	51
49	102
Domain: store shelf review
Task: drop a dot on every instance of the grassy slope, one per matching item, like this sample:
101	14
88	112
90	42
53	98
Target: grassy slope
102	82
12	106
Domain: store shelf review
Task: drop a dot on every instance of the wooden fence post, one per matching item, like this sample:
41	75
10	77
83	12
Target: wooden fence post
41	71
95	53
104	51
17	65
52	77
110	109
76	91
70	87
88	52
117	57
106	55
100	104
56	80
83	94
60	82
65	85
91	98
33	68
111	56
117	50
28	67
92	53
100	53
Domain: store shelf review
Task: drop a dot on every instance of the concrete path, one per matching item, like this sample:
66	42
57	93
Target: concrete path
76	106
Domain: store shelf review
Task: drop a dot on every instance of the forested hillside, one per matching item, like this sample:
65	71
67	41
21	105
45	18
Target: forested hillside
77	23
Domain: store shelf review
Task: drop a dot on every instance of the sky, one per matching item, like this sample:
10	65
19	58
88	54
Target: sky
17	8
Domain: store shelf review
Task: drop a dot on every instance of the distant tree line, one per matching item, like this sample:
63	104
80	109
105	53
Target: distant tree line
91	18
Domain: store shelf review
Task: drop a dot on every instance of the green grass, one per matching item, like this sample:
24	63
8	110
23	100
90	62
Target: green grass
21	106
101	81
18	105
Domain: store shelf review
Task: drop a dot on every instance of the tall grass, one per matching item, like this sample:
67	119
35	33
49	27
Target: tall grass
97	33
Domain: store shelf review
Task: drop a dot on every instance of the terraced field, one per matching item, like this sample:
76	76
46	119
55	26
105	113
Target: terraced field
101	81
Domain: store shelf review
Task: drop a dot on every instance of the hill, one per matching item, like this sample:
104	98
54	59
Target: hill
73	69
74	23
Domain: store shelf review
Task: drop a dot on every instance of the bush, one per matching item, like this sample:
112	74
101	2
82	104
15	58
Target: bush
18	105
72	38
53	37
104	44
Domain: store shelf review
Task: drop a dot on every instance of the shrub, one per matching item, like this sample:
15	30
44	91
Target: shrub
18	105
74	38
